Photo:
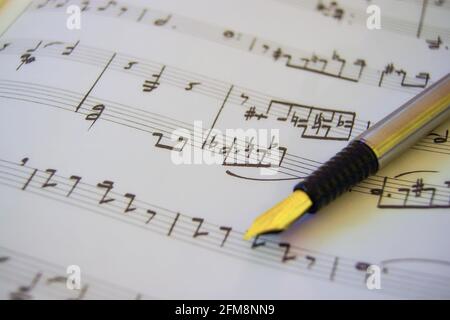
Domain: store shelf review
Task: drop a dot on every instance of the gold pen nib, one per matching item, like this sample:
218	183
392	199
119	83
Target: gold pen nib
280	216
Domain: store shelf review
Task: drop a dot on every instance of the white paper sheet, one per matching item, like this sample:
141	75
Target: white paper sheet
140	226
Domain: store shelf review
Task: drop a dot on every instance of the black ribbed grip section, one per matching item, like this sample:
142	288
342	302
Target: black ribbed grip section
350	166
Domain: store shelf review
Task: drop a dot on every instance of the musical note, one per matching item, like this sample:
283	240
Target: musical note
200	226
393	197
24	161
318	124
331	10
94	116
391	69
439	138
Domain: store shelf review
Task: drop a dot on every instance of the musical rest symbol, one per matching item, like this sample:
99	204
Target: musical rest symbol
109	4
178	148
27	57
150	85
130	65
69	49
191	85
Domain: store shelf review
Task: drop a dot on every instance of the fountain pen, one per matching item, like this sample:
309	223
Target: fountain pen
363	156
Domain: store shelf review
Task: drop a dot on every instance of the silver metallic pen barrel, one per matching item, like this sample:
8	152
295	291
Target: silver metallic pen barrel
405	126
373	149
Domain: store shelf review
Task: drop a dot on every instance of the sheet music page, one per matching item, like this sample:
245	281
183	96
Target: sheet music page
139	140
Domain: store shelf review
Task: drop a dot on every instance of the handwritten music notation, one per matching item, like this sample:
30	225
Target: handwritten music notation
343	12
331	64
25	278
429	195
291	166
313	122
102	198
